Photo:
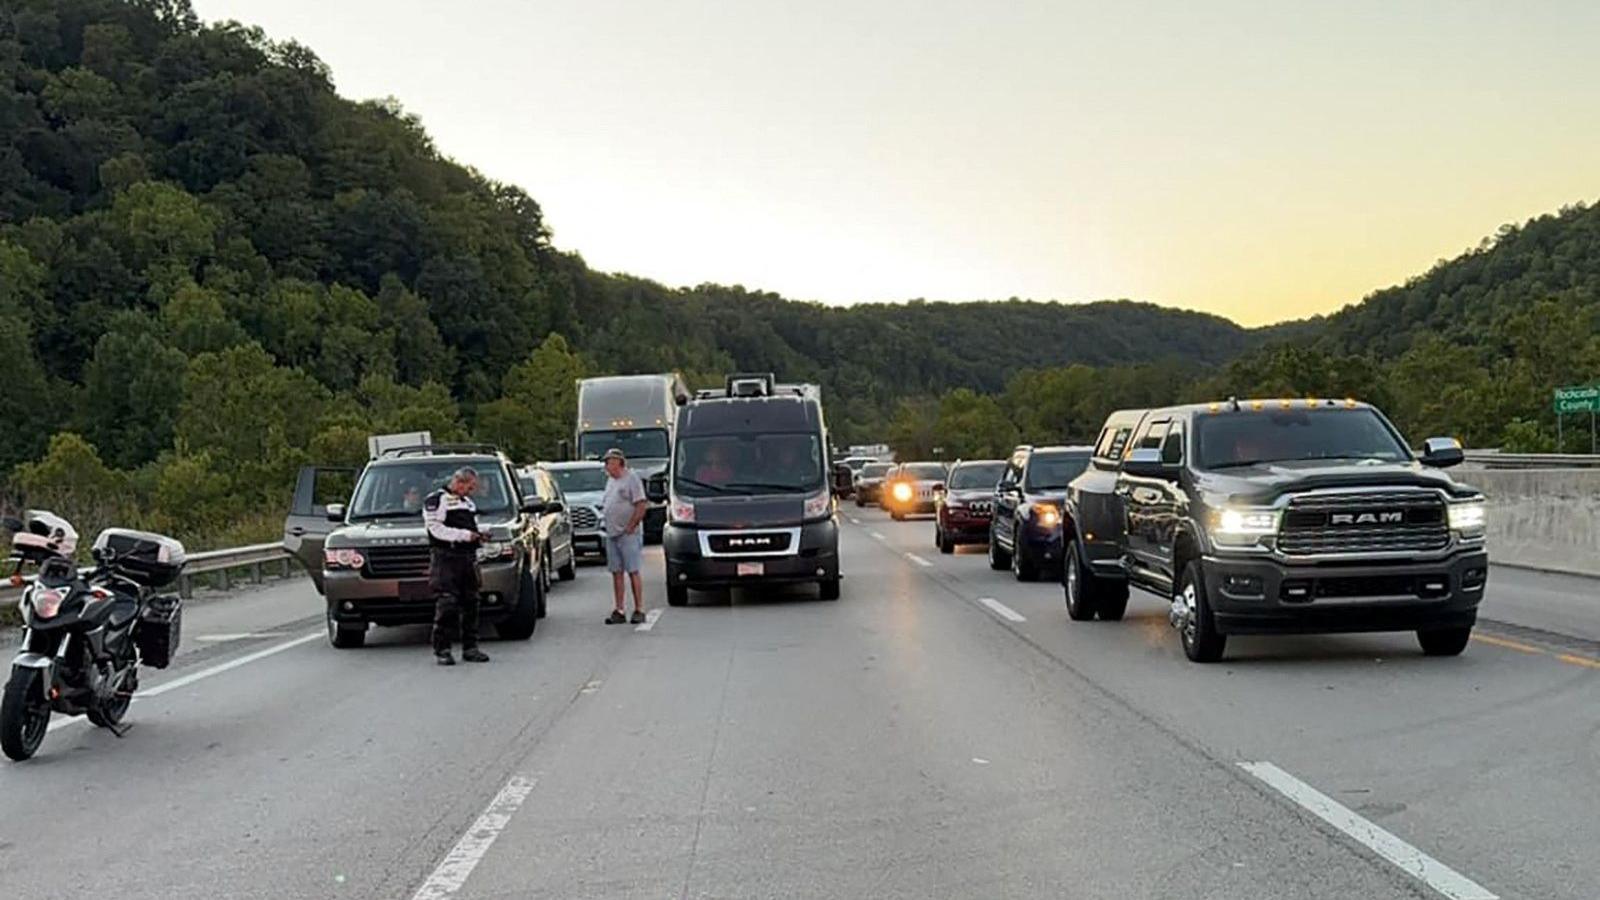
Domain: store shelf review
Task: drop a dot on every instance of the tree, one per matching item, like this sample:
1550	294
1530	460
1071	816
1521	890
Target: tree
72	481
132	390
539	403
972	426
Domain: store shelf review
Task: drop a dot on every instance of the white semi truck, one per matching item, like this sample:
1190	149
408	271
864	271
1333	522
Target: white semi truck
636	414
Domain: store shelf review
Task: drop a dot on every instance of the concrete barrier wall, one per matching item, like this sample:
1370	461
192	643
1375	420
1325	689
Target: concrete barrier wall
1546	518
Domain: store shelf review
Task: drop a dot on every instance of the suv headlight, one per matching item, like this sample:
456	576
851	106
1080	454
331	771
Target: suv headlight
902	491
1468	518
489	551
342	559
1244	526
819	505
1047	515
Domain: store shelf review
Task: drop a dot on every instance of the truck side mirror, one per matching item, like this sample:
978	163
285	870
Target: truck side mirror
335	512
564	449
534	506
656	488
1145	462
1442	452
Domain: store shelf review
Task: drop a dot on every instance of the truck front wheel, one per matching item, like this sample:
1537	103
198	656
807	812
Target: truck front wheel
1444	641
1196	627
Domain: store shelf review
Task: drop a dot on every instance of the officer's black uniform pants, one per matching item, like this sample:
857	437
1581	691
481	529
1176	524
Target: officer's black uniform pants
454	580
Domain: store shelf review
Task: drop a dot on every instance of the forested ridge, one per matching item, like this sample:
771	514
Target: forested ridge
213	270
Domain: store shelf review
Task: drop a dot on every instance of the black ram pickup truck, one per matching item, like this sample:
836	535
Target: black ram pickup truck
1276	517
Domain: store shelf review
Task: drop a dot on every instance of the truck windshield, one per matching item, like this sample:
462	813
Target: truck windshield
976	475
396	490
1230	440
729	464
1050	471
577	481
644	443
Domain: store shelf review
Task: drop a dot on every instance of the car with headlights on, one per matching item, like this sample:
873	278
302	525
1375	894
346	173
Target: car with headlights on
1279	516
1025	532
964	509
913	489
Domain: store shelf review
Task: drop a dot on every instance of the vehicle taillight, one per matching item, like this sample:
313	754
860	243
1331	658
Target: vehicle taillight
344	558
47	602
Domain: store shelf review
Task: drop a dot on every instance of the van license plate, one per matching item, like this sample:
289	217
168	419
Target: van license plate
752	569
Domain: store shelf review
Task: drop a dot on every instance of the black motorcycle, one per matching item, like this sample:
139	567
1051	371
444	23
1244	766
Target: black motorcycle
86	634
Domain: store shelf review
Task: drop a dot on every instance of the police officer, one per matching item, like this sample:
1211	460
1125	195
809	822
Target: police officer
454	536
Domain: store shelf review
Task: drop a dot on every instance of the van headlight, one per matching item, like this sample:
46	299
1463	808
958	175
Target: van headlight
1468	518
819	505
1243	525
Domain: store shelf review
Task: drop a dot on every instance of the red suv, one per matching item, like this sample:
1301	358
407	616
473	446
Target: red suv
967	504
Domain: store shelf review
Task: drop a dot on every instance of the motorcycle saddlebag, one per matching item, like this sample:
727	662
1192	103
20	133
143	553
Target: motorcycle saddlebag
158	631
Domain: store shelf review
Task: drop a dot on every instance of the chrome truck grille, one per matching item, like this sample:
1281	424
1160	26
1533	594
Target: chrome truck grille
1368	522
585	518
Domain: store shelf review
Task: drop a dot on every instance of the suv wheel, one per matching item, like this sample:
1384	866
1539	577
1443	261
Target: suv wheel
677	595
829	589
1444	641
524	617
1022	565
345	636
1079	589
570	570
999	559
1197	629
945	544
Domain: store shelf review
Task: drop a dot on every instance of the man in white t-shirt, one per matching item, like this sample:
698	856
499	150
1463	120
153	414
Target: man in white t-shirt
622	514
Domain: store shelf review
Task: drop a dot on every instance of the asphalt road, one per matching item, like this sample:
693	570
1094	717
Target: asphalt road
940	731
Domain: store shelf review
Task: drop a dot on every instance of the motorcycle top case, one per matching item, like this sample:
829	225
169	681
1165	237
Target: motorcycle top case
153	560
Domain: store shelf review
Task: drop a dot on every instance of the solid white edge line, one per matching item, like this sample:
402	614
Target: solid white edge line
218	669
1002	610
192	677
876	535
456	867
1407	858
918	560
649	620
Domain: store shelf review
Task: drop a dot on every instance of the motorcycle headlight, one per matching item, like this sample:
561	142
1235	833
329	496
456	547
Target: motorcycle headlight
489	551
1244	525
1468	518
47	602
819	505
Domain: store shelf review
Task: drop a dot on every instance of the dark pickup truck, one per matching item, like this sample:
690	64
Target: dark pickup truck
1276	517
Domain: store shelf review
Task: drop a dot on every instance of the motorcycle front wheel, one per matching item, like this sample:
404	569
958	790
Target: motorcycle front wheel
24	715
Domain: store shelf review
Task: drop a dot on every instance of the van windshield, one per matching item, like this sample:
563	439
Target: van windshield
730	464
643	443
396	490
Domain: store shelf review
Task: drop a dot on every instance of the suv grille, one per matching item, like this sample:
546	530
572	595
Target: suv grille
980	507
397	562
584	518
1376	522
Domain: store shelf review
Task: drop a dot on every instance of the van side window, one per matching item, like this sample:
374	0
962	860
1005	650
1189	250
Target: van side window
1172	445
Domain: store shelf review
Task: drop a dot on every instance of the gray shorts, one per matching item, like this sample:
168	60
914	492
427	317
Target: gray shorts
625	553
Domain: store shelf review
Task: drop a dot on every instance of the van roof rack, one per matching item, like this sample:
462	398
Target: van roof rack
441	450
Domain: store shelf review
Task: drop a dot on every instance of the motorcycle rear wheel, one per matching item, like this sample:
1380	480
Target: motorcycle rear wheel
24	715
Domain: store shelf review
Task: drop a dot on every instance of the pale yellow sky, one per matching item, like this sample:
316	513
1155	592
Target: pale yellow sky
1259	160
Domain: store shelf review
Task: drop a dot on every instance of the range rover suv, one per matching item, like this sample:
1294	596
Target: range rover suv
369	556
1273	517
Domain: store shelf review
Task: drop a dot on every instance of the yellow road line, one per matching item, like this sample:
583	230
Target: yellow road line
1584	661
1509	645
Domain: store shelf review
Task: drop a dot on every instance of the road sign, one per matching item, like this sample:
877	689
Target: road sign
1579	398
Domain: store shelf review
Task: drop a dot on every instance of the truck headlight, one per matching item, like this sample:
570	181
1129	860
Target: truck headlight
489	551
1468	518
1242	526
819	505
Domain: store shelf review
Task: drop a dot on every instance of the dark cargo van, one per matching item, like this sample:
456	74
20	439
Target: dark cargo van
750	498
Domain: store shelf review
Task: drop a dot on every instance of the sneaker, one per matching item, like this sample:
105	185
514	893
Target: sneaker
473	654
638	617
616	617
444	659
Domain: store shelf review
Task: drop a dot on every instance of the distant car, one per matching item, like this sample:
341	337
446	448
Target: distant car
854	464
554	524
913	488
868	482
966	506
583	484
1025	533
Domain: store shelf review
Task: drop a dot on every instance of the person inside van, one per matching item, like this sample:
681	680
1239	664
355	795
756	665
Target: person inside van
714	467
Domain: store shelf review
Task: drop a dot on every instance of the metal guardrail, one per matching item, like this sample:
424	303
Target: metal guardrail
224	564
1494	459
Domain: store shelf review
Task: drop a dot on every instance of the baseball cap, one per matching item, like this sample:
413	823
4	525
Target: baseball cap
614	453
